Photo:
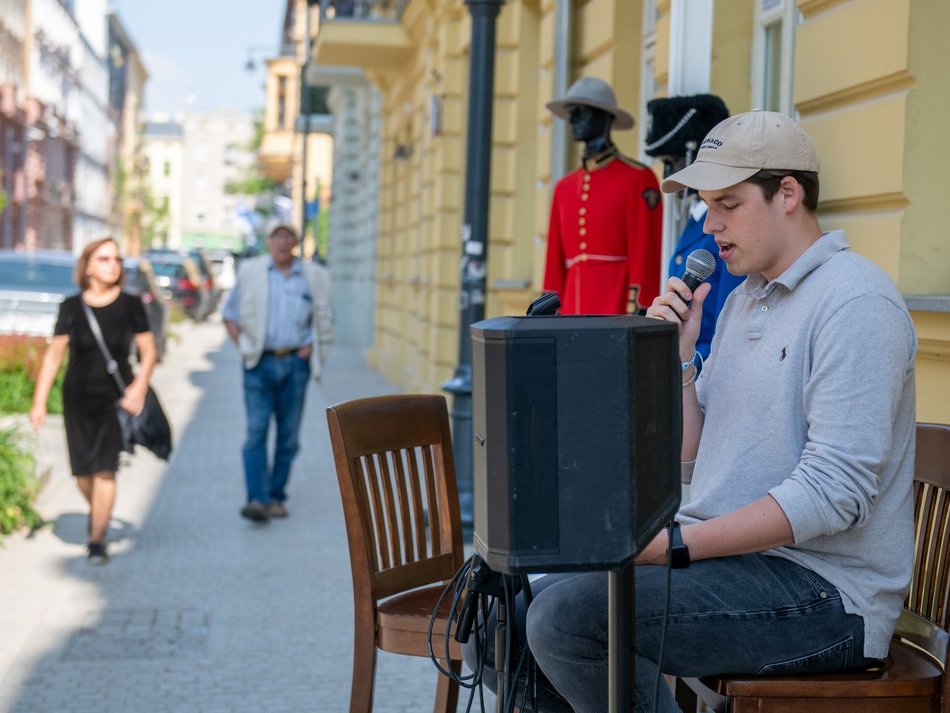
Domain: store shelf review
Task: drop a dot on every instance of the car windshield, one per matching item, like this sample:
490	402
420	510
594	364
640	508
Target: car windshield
168	269
36	276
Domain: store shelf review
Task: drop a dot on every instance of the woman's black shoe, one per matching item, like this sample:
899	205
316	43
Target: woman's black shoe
97	553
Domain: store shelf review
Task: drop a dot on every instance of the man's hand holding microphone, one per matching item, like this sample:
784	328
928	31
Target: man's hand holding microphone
683	301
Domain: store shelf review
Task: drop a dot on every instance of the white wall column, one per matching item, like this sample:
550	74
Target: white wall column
690	61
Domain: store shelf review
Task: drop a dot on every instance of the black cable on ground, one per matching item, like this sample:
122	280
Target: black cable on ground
666	615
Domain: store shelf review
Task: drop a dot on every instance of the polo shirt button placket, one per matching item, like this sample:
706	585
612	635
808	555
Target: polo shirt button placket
757	325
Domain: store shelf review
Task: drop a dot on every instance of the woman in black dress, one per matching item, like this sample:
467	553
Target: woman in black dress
89	391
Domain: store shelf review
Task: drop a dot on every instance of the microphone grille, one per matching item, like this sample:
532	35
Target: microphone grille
701	263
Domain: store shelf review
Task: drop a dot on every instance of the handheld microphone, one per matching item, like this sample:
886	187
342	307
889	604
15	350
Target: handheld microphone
699	266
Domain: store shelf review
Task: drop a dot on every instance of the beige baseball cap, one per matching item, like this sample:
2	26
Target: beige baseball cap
741	146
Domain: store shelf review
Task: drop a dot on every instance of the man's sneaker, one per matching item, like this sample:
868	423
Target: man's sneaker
255	511
97	553
277	509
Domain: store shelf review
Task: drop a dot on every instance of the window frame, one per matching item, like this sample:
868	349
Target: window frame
768	15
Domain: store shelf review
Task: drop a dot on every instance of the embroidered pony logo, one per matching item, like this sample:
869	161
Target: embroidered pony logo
784	353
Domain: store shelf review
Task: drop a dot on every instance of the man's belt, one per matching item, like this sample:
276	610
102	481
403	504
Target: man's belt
282	352
585	257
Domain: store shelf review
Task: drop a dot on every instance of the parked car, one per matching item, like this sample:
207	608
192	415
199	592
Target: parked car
223	267
181	282
140	280
32	284
200	258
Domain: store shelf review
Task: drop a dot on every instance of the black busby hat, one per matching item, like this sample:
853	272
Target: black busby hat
677	121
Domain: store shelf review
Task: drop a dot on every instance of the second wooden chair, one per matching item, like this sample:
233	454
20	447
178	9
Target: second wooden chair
913	679
393	458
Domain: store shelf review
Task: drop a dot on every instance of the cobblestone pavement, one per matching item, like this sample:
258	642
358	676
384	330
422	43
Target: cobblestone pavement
199	610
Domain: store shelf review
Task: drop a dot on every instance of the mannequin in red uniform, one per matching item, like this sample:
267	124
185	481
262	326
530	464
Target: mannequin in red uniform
604	237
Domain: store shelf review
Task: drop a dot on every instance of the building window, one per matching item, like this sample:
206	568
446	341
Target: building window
281	102
774	54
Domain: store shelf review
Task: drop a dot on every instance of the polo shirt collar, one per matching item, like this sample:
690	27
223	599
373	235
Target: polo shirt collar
817	254
295	268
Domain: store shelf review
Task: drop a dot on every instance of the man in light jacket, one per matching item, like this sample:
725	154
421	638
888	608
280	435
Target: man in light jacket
278	315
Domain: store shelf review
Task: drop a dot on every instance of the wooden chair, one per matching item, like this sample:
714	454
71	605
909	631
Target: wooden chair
912	678
393	458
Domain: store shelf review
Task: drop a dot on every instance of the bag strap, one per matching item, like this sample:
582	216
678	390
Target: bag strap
112	366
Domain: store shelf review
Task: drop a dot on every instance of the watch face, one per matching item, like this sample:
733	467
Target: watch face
680	556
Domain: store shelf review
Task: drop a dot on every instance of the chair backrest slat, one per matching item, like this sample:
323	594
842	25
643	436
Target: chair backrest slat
435	537
392	518
400	459
377	516
394	462
418	513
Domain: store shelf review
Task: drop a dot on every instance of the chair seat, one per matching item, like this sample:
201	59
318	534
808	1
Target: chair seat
910	673
403	623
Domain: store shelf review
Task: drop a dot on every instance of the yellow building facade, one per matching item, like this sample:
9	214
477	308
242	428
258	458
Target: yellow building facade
862	76
281	154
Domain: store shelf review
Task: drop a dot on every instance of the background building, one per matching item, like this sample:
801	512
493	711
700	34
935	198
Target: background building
70	88
294	119
127	79
93	124
12	119
862	76
354	208
53	102
163	150
217	154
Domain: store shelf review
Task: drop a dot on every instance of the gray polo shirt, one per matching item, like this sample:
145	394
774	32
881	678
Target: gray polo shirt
809	396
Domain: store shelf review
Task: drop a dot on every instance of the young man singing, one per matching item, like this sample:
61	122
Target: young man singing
795	551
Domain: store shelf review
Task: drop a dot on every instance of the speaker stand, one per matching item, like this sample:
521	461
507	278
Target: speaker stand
621	622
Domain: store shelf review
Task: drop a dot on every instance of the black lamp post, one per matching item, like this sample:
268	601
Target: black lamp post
304	118
481	90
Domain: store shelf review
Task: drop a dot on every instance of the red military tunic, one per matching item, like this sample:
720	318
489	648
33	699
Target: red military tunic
604	237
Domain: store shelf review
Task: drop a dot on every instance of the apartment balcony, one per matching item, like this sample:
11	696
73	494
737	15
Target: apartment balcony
362	33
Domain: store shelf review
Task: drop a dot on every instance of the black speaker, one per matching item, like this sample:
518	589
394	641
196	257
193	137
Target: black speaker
577	425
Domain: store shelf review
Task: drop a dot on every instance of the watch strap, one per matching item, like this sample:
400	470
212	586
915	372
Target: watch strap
679	552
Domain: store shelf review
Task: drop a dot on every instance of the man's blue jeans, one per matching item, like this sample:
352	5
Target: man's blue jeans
276	388
746	614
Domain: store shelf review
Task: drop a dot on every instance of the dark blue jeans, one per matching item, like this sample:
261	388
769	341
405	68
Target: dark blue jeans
276	388
746	614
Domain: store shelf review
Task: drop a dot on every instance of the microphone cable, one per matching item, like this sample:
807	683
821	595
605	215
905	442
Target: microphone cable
666	615
455	587
483	604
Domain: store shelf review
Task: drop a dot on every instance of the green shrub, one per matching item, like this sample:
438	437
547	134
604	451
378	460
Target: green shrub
18	486
20	360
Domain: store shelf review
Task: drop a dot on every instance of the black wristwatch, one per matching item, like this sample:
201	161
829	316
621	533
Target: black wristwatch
679	552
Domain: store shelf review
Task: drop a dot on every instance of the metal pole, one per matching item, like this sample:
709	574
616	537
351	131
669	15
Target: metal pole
621	654
481	90
305	121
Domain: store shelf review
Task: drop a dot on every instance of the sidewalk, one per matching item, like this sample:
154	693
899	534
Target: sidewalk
198	610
